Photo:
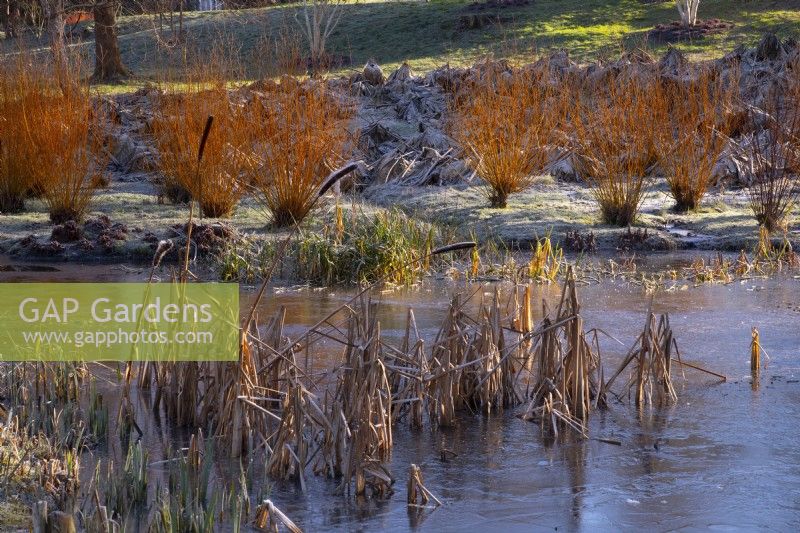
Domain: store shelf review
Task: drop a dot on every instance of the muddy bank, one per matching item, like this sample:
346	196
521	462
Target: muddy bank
127	222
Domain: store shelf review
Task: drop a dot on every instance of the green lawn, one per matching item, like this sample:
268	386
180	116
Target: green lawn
426	34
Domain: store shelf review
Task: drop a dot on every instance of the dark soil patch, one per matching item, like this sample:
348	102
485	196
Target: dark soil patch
27	268
576	241
66	232
98	237
208	238
676	32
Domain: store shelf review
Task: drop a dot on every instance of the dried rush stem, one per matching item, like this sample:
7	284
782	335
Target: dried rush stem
200	151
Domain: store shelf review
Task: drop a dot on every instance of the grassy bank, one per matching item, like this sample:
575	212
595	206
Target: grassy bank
429	34
723	221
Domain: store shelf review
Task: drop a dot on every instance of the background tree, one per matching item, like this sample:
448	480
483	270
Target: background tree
320	18
108	61
53	13
10	15
688	11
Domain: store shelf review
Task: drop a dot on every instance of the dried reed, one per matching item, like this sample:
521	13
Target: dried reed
652	354
417	495
755	355
569	373
269	517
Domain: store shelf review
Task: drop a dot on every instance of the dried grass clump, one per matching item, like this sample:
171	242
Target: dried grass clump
217	183
302	136
49	140
506	124
364	399
616	147
688	140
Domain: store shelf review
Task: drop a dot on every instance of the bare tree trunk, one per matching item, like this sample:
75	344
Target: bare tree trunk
11	17
108	61
688	11
53	11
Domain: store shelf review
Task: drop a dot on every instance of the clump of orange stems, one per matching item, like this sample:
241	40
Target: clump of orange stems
302	135
16	153
49	139
774	157
506	123
219	182
616	147
688	141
